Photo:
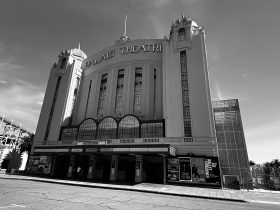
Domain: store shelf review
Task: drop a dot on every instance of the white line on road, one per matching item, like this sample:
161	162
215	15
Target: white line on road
12	206
266	202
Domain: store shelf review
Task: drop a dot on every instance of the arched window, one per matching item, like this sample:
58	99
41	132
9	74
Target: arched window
128	127
107	129
87	130
182	34
63	63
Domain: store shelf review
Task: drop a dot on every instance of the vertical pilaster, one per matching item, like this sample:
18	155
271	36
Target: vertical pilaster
114	168
139	168
71	165
53	165
164	168
91	167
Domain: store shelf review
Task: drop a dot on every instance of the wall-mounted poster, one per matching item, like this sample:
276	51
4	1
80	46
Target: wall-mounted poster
212	173
185	169
39	164
198	171
172	169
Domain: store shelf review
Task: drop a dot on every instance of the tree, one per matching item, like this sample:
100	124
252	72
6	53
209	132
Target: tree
275	163
252	163
14	158
26	144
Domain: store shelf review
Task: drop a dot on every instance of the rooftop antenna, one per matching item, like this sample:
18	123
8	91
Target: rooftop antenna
124	34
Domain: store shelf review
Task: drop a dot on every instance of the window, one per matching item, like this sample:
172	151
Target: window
77	84
102	94
63	63
87	130
185	94
89	89
107	129
155	93
181	34
128	127
52	108
119	92
152	129
137	90
68	134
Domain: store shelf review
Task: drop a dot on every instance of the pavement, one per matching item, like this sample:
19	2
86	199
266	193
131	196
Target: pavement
251	196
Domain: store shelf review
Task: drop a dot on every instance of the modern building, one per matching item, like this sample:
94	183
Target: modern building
233	156
137	111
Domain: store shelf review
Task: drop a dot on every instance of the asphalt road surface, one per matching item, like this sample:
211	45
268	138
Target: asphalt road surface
24	194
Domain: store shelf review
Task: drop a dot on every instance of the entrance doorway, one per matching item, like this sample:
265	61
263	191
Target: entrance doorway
126	168
80	169
153	165
61	166
102	168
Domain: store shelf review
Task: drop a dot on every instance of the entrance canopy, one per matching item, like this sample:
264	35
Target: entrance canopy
161	149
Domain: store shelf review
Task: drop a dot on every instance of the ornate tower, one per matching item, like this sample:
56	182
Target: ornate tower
61	95
187	105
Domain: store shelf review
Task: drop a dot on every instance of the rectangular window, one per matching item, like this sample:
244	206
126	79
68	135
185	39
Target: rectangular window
76	90
52	108
102	94
137	90
155	93
119	92
185	94
89	89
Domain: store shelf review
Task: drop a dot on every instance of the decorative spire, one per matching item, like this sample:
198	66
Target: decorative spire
124	34
183	15
79	46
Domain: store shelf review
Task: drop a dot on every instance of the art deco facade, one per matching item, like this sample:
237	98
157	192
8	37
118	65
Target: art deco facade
137	111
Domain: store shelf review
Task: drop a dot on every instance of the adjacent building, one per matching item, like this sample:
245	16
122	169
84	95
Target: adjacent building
137	111
233	157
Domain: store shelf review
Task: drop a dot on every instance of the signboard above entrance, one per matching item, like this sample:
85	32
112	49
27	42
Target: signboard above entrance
157	48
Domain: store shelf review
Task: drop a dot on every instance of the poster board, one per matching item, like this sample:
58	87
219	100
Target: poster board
185	169
172	169
198	169
39	164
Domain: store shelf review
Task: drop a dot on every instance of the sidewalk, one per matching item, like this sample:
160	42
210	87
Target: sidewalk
251	196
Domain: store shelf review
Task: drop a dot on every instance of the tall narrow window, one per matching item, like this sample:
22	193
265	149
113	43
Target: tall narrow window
137	90
102	93
89	89
181	34
185	94
119	92
155	93
63	63
52	108
77	85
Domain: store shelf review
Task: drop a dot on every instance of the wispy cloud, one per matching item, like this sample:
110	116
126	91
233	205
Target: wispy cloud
3	82
219	93
21	102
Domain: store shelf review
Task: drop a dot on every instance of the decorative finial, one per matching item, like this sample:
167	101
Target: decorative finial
183	15
124	34
79	46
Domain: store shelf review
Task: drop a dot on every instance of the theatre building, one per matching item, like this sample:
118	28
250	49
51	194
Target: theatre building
136	111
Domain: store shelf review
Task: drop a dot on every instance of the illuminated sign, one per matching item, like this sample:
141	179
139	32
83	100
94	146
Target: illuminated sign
125	50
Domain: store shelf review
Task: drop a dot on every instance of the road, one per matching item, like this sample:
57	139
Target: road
24	194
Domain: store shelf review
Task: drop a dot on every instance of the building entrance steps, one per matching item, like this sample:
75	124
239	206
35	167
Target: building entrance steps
251	196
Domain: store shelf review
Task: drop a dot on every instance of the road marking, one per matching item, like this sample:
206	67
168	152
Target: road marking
12	206
266	202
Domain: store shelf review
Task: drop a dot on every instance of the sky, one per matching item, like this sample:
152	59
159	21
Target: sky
242	41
